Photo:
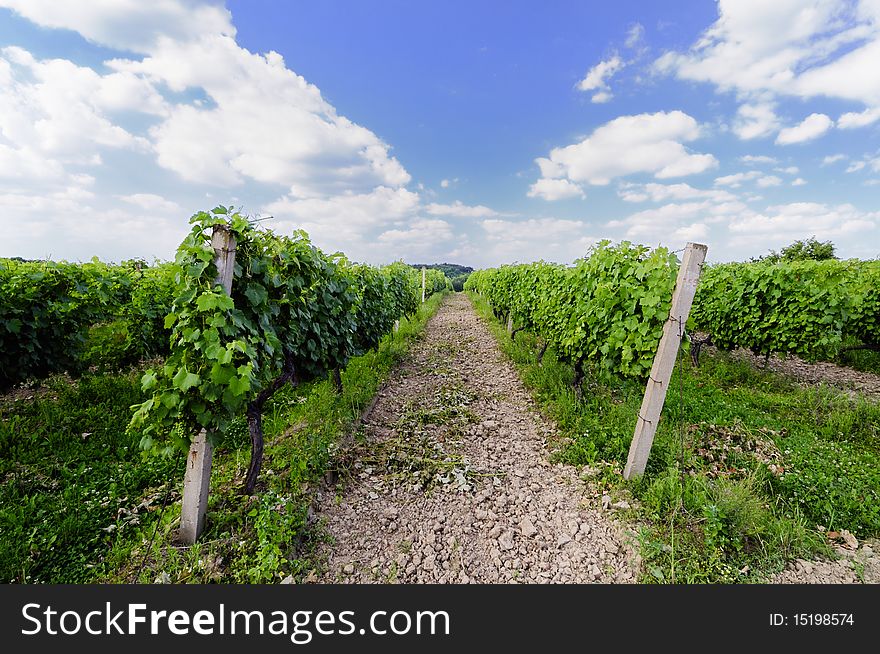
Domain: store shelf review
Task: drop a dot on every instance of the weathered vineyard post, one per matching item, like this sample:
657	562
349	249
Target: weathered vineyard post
664	360
396	325
197	478
510	323
423	284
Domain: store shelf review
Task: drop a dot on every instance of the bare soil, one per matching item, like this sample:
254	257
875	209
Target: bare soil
449	479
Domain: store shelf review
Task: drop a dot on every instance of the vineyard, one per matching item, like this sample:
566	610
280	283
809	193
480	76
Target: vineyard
295	316
336	396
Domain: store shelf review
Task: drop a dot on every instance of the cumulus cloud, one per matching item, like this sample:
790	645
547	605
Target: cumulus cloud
597	78
854	119
755	120
692	232
656	224
152	202
129	25
266	123
664	192
186	96
645	143
737	179
460	210
768	181
57	112
855	166
797	48
798	218
812	127
555	189
552	239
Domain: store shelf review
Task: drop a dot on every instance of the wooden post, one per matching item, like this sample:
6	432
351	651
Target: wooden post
509	323
423	284
197	478
664	361
396	326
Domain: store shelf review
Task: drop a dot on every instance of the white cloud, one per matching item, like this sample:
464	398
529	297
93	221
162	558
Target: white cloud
756	46
555	189
601	97
152	202
130	25
349	214
855	167
650	143
800	48
692	232
76	224
444	183
267	124
551	239
597	77
812	127
833	158
57	111
852	119
758	159
635	35
790	170
768	180
657	224
800	181
460	210
663	192
417	239
804	218
736	180
755	120
207	111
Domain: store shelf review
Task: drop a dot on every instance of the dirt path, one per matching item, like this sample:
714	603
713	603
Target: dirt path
450	483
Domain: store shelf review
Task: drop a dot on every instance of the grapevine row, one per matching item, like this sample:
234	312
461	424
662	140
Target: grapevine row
608	308
294	314
808	308
49	311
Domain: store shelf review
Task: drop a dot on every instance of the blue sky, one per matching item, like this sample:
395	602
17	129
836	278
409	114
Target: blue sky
469	132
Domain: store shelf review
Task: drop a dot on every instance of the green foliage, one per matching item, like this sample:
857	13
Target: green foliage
806	308
74	480
48	310
609	308
293	309
802	250
712	503
267	537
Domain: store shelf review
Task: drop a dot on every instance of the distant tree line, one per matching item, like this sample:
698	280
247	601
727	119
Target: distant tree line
457	274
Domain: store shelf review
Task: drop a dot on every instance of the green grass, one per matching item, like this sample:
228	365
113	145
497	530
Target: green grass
864	360
268	536
79	501
73	480
744	467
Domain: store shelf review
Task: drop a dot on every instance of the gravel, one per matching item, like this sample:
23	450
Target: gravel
464	494
861	565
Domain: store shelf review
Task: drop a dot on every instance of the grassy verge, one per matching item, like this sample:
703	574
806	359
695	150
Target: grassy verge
745	465
268	536
79	501
73	482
